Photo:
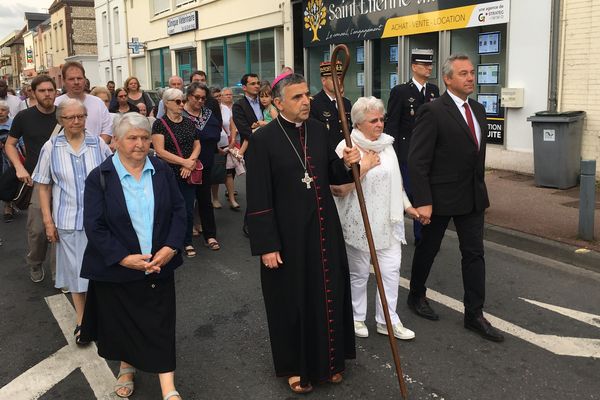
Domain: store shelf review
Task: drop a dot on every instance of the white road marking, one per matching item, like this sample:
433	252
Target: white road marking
587	318
561	345
40	378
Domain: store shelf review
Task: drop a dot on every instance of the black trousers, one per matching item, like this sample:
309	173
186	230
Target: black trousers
469	229
205	207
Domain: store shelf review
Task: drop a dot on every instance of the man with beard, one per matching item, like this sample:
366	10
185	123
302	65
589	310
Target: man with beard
35	125
295	229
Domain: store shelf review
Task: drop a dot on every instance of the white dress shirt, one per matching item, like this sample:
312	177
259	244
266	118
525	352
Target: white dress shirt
459	103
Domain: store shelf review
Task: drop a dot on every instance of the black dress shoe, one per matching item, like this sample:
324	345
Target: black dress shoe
245	230
421	307
483	327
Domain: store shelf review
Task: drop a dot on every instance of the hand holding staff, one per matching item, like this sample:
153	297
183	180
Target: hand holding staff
338	85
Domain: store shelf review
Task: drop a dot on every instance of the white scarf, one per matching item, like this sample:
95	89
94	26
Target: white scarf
383	145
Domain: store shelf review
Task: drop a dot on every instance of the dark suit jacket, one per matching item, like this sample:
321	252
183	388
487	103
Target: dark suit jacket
110	233
405	101
446	168
244	117
324	110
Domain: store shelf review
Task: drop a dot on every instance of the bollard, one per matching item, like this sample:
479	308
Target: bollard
587	199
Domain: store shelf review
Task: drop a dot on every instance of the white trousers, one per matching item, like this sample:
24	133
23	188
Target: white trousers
389	264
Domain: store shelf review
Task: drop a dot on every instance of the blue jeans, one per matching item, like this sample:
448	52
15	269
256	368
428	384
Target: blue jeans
189	195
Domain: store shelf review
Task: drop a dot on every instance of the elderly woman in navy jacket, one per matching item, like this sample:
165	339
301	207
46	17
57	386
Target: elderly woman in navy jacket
135	219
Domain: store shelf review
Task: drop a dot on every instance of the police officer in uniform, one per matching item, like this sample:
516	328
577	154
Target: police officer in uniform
402	108
324	108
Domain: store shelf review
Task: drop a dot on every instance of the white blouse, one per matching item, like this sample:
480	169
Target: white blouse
376	187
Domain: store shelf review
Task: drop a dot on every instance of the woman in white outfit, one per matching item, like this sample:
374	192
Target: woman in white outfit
386	203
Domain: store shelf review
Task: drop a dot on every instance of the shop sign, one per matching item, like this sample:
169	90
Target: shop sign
339	21
495	130
182	23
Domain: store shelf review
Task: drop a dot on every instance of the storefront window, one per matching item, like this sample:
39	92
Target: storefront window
232	57
354	82
262	54
385	67
236	58
186	63
160	67
316	55
216	62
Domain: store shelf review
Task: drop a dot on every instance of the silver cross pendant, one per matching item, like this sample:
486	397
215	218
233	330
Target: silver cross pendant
306	180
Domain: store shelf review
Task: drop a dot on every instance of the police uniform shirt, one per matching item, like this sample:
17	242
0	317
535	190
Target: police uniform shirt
404	102
324	109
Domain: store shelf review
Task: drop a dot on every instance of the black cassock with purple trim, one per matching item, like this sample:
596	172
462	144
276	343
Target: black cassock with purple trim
307	299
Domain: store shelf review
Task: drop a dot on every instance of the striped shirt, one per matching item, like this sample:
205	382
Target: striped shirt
66	170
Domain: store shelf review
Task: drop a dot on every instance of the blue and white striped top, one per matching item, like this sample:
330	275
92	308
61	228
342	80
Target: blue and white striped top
66	170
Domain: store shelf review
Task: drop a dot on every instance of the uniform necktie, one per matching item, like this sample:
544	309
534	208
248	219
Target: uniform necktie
471	123
334	103
422	94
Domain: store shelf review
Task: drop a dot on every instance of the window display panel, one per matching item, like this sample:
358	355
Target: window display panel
186	63
262	55
354	82
423	41
316	55
160	67
385	67
236	58
216	62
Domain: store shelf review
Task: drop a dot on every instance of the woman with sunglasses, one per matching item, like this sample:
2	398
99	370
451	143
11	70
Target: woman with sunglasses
181	155
208	129
122	105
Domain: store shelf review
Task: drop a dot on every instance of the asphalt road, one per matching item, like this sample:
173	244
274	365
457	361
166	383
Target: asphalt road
223	347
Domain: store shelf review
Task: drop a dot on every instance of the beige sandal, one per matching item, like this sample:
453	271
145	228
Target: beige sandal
171	394
129	385
294	382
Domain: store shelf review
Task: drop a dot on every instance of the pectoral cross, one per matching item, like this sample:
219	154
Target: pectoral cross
306	180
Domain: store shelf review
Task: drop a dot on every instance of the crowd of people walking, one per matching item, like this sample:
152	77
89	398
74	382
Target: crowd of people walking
117	181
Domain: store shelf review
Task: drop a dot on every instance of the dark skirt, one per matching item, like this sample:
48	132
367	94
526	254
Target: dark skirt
218	170
133	322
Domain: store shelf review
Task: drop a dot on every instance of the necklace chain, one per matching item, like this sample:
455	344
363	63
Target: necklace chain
294	147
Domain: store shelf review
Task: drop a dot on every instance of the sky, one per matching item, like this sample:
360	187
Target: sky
12	13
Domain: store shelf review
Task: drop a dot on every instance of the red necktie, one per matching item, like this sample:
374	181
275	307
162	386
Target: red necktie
471	123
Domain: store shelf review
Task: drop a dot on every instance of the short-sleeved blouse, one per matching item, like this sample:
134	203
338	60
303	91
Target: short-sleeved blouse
184	132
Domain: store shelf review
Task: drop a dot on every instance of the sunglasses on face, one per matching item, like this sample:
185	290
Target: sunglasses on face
177	101
199	98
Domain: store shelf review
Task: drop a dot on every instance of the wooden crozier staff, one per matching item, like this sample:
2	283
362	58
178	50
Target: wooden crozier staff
363	209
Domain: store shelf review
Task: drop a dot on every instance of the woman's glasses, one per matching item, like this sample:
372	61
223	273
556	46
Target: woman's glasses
200	98
177	101
79	117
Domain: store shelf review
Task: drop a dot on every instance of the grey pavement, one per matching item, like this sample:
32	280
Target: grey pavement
223	346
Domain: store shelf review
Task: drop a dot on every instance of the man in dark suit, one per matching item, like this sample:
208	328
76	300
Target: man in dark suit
248	116
446	163
405	101
323	105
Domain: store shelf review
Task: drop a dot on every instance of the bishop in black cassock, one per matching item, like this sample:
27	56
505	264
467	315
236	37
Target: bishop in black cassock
295	228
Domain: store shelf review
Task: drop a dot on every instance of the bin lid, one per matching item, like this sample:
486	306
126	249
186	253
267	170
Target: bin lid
555	116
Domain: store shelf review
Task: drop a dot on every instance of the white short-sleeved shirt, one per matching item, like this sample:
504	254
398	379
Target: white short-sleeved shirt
98	120
14	104
66	170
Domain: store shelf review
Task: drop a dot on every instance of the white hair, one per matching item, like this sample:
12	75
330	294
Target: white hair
363	106
4	104
172	94
68	103
129	121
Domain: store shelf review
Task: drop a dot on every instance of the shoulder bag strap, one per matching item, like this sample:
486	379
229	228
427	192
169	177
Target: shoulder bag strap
172	137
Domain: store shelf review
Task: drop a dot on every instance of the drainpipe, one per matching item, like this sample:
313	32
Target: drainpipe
554	56
109	29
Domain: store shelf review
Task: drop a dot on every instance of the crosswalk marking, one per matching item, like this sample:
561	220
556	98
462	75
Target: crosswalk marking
42	377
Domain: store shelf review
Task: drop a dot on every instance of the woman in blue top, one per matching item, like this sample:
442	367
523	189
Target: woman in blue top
135	221
208	129
64	163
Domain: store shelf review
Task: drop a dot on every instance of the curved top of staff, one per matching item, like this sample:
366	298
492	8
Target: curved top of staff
338	84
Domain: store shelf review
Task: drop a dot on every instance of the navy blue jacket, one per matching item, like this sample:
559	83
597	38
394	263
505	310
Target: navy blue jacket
110	233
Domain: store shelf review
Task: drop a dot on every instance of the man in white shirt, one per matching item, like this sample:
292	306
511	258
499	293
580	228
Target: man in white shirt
13	101
98	120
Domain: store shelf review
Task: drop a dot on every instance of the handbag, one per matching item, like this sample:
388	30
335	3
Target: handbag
22	198
195	177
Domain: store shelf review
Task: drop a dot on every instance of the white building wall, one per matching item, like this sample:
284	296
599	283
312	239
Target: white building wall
113	53
528	55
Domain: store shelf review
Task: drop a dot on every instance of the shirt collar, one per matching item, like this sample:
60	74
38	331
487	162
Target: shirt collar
418	85
251	100
459	102
296	124
61	140
122	172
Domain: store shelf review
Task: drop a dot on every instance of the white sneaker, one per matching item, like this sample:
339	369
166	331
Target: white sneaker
400	332
360	329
